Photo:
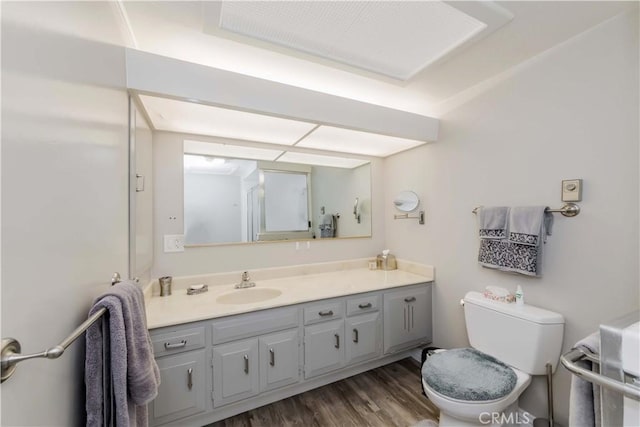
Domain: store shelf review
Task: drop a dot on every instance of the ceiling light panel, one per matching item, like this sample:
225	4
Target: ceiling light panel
393	38
321	160
233	151
356	142
180	116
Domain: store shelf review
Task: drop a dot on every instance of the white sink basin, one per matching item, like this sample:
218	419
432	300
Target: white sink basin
246	296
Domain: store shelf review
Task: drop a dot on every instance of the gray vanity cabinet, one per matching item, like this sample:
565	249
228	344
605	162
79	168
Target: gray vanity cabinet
363	328
279	359
323	347
183	388
363	337
217	368
235	371
407	318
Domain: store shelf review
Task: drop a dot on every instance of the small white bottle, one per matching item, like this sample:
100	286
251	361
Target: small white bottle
519	296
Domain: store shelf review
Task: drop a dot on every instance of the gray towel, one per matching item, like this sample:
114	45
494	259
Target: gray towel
529	225
134	373
493	222
584	400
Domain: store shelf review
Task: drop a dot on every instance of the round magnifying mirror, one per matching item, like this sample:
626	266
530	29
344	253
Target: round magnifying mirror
406	201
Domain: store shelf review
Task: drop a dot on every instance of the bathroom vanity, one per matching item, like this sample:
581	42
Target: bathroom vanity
217	360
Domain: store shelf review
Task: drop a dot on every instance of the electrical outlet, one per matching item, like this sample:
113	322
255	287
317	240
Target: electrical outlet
174	242
572	190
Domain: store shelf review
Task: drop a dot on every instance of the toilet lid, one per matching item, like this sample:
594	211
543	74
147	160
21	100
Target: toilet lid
468	374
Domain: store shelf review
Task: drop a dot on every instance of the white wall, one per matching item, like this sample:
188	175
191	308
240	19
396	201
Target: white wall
64	194
169	219
570	113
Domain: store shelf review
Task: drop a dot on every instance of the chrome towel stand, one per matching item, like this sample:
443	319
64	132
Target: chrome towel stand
569	360
568	210
10	354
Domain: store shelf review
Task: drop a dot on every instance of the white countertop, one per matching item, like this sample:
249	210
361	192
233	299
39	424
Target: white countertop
181	308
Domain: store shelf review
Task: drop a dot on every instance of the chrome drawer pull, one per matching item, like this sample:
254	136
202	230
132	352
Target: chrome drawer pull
337	341
355	335
190	378
272	357
410	299
326	313
363	306
170	346
246	364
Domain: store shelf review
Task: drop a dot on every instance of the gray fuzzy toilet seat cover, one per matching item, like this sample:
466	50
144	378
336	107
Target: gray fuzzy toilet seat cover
468	374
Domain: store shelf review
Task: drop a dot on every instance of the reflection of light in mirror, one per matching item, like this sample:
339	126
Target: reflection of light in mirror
356	142
209	165
179	116
321	160
225	150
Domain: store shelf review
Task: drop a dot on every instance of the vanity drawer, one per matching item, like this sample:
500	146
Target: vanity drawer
326	310
252	324
363	304
172	342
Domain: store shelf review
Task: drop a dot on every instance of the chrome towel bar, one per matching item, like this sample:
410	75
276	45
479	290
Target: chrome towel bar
10	353
569	360
568	210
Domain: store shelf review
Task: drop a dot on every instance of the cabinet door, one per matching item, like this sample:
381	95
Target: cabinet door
407	318
323	348
363	337
419	316
182	389
235	371
279	359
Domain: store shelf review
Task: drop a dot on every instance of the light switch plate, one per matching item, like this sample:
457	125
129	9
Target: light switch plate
572	190
174	242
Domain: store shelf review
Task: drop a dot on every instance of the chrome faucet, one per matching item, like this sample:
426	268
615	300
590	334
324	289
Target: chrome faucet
246	282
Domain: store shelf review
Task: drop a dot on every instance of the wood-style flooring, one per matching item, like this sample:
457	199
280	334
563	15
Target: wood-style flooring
387	396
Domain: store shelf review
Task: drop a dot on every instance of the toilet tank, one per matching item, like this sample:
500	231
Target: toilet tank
522	336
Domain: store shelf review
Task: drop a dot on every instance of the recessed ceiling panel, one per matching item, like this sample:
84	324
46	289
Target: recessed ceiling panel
393	38
321	160
179	116
356	142
231	151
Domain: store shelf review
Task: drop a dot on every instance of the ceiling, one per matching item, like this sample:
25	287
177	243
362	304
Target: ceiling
432	81
182	30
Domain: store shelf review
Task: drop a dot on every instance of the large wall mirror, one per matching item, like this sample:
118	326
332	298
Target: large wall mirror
240	198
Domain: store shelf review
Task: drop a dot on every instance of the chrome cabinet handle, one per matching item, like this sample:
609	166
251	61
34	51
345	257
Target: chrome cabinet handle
412	320
337	340
246	364
190	378
326	313
363	306
272	357
355	335
410	299
405	318
170	346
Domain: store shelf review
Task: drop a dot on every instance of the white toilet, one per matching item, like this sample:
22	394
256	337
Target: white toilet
480	386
